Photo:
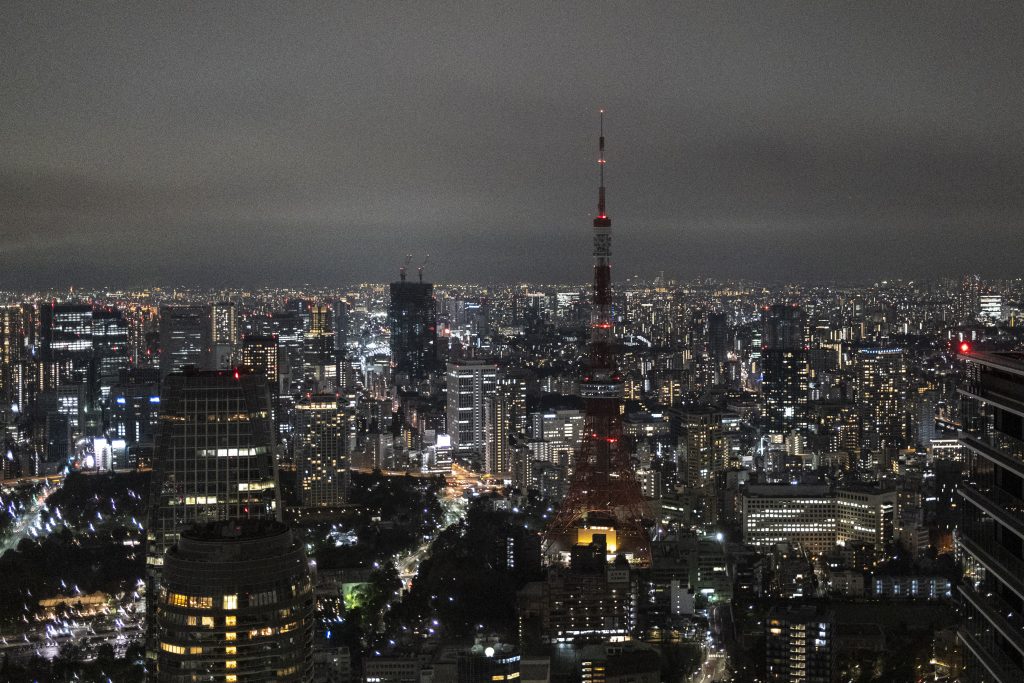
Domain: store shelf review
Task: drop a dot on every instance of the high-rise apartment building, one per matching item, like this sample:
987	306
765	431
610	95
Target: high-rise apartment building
236	603
505	422
470	384
325	437
412	316
800	645
881	385
992	526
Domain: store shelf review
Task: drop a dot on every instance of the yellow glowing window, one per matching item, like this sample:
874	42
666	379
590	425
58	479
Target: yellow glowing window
191	621
230	650
230	635
230	620
231	664
173	649
195	650
231	678
230	602
207	622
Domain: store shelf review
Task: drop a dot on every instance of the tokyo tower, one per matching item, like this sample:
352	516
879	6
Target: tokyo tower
604	495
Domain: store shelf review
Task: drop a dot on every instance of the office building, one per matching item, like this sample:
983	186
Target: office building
290	329
65	335
224	334
817	518
110	348
260	356
184	338
236	603
412	317
214	457
784	359
991	532
12	351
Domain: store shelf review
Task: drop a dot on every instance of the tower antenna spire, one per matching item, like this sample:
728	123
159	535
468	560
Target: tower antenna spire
601	162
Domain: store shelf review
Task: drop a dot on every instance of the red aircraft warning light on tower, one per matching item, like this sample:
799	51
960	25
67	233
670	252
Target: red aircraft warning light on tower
604	494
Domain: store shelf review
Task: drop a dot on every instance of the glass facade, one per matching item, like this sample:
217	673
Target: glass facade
992	524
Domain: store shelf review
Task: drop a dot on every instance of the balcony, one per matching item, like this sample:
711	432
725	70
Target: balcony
1006	509
1000	392
978	641
1007	567
1002	450
1000	614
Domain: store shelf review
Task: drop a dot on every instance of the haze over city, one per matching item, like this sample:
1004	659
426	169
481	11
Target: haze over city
204	144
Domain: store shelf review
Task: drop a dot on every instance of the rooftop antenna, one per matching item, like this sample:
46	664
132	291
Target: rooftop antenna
401	271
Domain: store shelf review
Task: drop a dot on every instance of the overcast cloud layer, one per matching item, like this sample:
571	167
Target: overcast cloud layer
244	143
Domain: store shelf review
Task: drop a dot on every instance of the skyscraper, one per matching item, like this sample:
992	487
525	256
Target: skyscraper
506	419
290	329
185	336
260	356
325	436
214	457
11	352
470	384
110	347
992	526
320	357
881	385
224	334
236	603
784	358
65	333
412	316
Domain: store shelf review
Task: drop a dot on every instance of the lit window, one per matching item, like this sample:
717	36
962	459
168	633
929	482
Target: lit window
230	620
230	664
230	602
230	635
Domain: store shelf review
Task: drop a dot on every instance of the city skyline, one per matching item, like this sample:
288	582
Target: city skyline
774	143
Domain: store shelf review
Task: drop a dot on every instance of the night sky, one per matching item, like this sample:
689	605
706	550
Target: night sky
243	143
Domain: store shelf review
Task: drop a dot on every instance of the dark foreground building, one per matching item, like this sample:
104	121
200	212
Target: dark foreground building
236	604
992	530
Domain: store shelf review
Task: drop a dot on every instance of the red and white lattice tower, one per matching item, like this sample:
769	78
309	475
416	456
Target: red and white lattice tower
604	491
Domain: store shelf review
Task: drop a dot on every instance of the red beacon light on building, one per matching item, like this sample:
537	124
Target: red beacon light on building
965	347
